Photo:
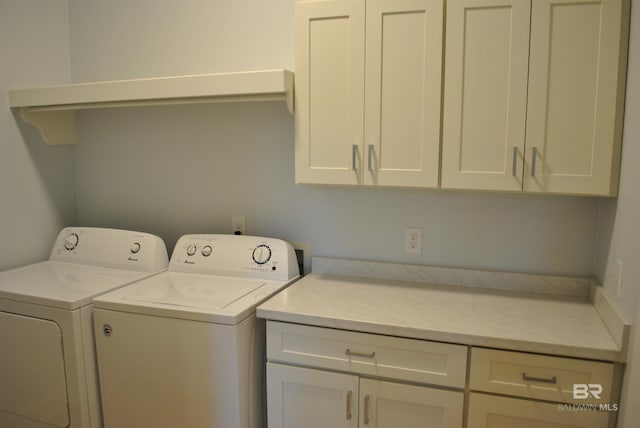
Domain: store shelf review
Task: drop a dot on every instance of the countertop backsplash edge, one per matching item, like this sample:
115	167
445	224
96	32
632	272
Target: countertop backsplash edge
620	329
569	286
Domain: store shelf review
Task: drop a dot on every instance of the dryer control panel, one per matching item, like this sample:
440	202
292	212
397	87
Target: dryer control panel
235	255
113	248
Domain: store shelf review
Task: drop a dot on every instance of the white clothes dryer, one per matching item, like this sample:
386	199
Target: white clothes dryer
184	348
48	373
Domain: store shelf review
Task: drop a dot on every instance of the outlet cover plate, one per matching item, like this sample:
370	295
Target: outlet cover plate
413	240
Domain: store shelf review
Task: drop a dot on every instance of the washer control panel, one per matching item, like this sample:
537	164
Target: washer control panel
235	255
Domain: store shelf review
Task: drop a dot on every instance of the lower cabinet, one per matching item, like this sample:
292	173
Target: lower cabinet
321	377
518	389
489	411
325	378
304	397
301	397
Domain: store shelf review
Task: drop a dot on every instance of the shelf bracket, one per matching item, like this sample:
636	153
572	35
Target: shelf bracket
289	92
57	127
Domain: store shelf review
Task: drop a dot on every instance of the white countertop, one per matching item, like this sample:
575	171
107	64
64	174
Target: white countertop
496	318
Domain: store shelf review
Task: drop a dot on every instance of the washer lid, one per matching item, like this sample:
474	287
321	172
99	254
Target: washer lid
195	291
62	285
197	297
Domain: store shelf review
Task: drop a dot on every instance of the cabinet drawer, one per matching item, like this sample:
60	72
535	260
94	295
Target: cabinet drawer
364	353
487	411
540	376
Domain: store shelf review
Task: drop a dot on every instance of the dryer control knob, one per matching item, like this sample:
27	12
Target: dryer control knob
135	248
71	241
261	254
191	249
207	250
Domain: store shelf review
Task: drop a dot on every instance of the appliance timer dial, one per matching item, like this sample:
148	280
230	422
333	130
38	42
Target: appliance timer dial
135	248
261	254
207	250
191	249
71	241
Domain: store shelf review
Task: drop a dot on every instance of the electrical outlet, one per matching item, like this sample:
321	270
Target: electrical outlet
239	225
413	240
618	278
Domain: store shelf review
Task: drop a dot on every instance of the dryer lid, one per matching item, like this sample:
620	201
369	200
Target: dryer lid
63	285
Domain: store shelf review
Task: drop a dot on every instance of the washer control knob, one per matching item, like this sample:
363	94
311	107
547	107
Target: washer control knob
191	249
207	250
71	241
261	254
135	248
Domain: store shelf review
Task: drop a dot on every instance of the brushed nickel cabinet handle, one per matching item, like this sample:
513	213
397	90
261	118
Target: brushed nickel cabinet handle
354	155
533	161
351	353
552	380
349	394
514	166
366	409
369	157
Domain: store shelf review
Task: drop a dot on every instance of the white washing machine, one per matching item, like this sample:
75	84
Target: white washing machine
184	348
48	374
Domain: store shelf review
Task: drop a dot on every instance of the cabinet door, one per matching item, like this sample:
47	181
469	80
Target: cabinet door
486	411
306	398
329	87
487	55
391	405
576	78
403	92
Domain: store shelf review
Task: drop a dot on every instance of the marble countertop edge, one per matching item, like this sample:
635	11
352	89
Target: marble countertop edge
539	347
543	314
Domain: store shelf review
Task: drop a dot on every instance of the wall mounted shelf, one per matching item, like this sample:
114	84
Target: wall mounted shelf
52	109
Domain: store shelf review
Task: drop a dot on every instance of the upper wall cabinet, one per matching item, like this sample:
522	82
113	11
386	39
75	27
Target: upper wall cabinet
534	95
52	109
368	91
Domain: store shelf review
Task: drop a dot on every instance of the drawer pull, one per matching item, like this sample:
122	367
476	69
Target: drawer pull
349	394
351	353
553	380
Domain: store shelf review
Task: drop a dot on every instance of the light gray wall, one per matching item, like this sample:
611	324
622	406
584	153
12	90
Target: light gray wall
619	230
175	170
37	189
124	39
618	235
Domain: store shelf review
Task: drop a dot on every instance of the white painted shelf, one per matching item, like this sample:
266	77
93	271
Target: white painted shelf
52	109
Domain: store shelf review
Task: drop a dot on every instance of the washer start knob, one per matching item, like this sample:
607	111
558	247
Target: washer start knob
261	254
